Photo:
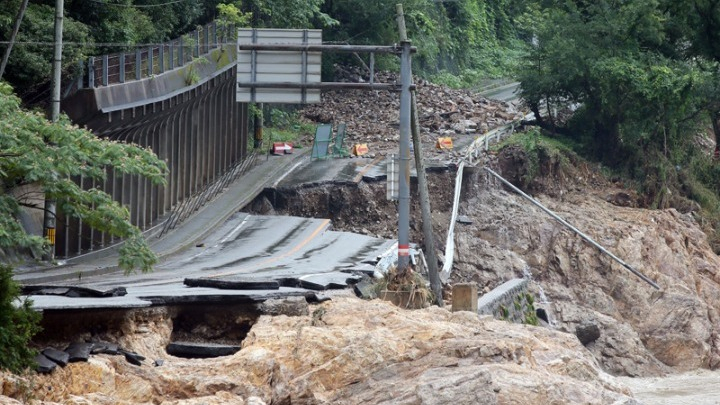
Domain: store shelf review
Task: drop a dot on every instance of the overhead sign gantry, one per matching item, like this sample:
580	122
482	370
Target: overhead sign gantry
283	66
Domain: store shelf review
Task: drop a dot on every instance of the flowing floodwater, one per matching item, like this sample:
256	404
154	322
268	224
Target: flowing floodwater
543	298
700	387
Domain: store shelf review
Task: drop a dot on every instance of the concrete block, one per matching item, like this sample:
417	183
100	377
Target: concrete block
465	297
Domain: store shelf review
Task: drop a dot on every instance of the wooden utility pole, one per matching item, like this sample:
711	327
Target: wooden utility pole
13	36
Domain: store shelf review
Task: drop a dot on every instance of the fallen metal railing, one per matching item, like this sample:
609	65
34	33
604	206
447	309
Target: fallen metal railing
472	154
192	204
572	228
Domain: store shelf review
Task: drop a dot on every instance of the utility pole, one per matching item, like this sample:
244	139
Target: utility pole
404	183
49	221
13	36
435	283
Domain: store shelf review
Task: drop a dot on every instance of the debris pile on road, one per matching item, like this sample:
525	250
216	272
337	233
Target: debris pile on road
372	117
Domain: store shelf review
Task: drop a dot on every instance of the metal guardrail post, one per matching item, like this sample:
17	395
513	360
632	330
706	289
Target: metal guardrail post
91	72
122	68
197	43
215	35
138	65
372	67
105	70
81	68
181	53
206	38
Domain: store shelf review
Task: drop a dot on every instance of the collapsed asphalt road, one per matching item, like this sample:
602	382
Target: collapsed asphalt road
303	252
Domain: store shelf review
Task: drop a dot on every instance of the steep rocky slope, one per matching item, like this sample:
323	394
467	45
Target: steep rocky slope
346	351
643	331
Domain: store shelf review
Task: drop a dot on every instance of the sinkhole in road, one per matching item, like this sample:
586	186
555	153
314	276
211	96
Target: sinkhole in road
360	207
152	331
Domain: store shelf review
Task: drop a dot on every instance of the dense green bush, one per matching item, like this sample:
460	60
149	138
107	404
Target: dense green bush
18	324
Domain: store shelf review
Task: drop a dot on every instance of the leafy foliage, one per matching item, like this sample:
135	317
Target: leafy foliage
610	60
36	151
452	37
289	14
30	61
18	324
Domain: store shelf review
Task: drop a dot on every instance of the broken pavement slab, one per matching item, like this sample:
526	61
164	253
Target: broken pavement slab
366	289
132	357
44	365
72	291
79	351
105	348
58	356
200	350
328	281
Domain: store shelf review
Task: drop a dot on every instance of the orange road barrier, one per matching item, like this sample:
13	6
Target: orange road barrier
444	143
360	149
281	148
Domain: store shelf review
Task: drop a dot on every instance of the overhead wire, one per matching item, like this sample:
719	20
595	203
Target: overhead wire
137	5
108	44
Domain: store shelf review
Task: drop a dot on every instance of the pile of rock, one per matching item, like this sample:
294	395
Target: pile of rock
372	117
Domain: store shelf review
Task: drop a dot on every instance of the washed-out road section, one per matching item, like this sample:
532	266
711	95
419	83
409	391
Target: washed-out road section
245	247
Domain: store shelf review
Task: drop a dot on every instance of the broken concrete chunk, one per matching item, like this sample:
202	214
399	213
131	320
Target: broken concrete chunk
327	281
464	219
196	350
290	306
158	362
56	355
44	365
233	283
313	298
105	348
365	289
79	351
132	357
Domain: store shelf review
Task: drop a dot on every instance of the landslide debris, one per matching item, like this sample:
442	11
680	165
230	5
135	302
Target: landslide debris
372	117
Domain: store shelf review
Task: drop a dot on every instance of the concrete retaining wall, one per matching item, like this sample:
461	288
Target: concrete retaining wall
510	301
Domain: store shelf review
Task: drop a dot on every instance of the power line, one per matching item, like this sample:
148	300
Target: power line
116	44
137	5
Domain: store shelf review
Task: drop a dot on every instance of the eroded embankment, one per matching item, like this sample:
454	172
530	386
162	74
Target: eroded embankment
346	351
642	331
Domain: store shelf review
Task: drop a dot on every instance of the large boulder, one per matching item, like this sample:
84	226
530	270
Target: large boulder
353	351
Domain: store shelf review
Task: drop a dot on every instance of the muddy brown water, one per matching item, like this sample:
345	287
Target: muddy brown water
700	387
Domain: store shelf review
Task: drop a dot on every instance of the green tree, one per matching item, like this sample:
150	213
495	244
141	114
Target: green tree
609	59
289	14
18	324
29	66
35	151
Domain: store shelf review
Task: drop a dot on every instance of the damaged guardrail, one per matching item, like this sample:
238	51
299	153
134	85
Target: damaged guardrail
473	153
572	228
